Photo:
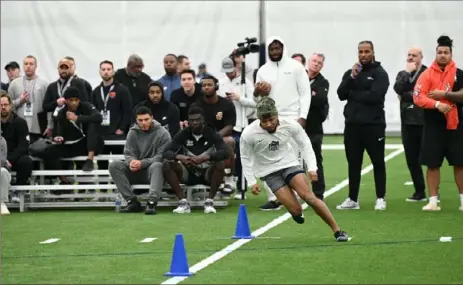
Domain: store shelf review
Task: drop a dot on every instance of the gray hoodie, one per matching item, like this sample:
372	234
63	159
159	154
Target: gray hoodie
146	146
3	152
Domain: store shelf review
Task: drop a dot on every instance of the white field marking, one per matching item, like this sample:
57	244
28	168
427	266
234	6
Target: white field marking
50	240
408	183
146	240
445	239
341	146
237	244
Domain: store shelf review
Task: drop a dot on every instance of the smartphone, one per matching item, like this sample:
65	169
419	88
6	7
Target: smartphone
359	67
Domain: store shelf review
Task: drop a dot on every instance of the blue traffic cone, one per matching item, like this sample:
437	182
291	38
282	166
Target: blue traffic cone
179	264
242	231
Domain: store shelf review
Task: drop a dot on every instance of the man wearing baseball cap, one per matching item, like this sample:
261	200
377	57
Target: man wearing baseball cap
12	71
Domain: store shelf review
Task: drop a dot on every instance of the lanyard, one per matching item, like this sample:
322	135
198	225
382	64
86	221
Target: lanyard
105	99
61	89
27	87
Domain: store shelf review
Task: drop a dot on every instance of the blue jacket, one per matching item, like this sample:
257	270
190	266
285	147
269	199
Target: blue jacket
170	83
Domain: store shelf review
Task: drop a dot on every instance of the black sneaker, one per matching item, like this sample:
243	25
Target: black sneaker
416	197
150	208
88	165
271	206
341	236
133	206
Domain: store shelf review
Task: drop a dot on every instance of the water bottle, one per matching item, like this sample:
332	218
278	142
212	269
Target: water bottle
118	203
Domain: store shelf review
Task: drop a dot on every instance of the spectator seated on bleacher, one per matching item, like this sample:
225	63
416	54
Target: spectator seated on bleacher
77	133
185	96
5	177
145	144
195	156
16	134
164	112
220	114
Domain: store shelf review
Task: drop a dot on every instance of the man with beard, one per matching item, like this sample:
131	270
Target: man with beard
28	94
439	91
164	112
170	80
54	100
220	114
183	63
186	95
87	85
13	71
134	79
364	87
15	132
284	80
195	156
412	120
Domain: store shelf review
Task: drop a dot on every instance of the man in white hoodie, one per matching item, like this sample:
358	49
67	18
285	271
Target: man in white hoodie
284	80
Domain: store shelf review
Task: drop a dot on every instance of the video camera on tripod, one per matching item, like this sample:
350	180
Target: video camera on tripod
247	47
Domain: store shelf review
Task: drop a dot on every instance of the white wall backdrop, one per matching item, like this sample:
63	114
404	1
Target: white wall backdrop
207	31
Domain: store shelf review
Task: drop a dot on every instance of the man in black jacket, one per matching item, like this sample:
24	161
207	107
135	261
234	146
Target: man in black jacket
364	87
77	133
164	112
16	134
318	113
195	156
185	96
412	120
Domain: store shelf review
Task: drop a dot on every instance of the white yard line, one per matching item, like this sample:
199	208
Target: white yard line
237	244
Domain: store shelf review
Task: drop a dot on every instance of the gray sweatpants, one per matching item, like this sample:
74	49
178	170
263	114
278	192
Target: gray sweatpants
124	178
5	179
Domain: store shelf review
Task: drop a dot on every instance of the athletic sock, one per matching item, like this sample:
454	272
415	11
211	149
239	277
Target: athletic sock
433	200
461	199
299	219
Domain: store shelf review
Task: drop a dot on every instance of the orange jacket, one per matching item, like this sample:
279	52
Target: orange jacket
434	78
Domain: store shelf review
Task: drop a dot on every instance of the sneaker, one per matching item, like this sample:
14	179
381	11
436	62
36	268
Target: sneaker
271	206
133	206
461	208
228	186
239	196
209	207
348	204
183	207
88	166
380	204
15	197
431	207
341	236
150	207
416	197
4	209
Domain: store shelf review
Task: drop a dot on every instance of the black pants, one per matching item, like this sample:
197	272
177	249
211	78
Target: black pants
23	167
412	136
318	187
357	139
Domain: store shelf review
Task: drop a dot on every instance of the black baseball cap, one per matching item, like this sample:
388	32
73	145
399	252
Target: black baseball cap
12	64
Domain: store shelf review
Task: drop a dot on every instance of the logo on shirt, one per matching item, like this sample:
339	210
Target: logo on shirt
274	146
112	95
189	143
219	116
416	92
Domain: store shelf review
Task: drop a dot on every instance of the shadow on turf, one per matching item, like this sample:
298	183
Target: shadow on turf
436	240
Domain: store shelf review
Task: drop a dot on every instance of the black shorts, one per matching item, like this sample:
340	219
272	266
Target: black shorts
195	176
439	143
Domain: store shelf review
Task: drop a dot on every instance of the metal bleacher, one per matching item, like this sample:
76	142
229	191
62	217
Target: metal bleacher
37	194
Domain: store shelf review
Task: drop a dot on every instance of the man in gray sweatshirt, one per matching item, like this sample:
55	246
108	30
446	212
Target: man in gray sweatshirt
5	177
145	144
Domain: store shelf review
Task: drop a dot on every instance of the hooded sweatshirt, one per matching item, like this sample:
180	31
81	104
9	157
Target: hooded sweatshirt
166	113
170	82
148	146
290	87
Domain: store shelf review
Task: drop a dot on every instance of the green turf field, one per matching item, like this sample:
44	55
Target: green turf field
400	245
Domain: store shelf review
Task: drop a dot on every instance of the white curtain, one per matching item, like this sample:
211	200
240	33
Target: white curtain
207	31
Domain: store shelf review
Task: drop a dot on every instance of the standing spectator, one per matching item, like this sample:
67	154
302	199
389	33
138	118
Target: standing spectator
28	93
170	80
133	77
88	86
164	112
364	87
412	120
239	59
439	91
13	71
230	88
146	142
189	93
202	71
284	80
5	177
183	63
15	132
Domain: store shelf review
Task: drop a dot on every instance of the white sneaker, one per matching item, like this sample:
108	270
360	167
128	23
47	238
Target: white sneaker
431	207
15	198
209	207
183	207
380	204
239	197
461	208
4	209
348	204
